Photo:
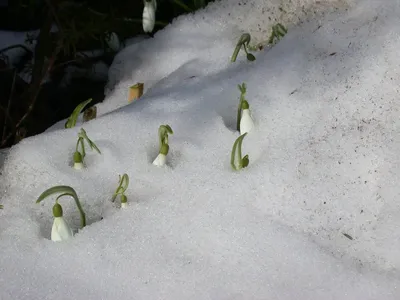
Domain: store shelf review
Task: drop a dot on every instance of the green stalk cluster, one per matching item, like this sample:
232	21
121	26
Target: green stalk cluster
278	32
123	183
80	155
243	41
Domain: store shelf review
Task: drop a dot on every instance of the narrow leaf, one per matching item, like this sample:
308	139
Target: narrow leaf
74	116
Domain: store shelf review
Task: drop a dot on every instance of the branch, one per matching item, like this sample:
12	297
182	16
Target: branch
7	111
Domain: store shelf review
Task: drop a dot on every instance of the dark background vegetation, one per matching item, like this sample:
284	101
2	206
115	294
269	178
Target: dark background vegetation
28	107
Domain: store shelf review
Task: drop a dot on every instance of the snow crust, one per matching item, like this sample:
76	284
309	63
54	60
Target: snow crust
315	215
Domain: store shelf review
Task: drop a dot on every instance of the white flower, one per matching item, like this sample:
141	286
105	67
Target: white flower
112	41
124	205
160	160
60	230
149	15
246	122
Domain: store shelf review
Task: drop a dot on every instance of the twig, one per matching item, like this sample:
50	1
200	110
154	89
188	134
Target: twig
53	11
7	112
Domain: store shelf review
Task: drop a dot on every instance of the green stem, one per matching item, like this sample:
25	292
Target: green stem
77	144
239	147
242	89
235	52
239	113
244	39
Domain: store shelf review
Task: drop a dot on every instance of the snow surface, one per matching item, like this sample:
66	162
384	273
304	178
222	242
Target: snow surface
324	162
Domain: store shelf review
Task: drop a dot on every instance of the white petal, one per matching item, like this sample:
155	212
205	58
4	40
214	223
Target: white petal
160	160
124	205
60	230
78	166
149	15
246	122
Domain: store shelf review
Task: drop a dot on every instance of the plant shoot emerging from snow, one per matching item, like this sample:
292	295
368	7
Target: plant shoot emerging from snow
278	32
244	122
122	186
60	230
80	155
243	41
71	122
163	132
237	161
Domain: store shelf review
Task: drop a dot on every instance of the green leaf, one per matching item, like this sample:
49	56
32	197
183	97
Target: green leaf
280	29
237	146
251	57
82	134
163	131
168	128
71	122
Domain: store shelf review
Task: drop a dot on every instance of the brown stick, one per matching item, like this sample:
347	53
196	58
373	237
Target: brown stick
7	111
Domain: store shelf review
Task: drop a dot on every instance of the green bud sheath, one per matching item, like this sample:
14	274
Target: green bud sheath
245	105
245	161
78	157
164	149
124	199
57	210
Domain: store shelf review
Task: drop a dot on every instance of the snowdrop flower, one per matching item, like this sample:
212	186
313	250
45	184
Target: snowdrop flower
163	132
112	41
79	156
122	186
246	122
161	158
149	15
60	230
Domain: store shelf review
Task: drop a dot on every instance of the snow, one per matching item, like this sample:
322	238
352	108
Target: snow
324	162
